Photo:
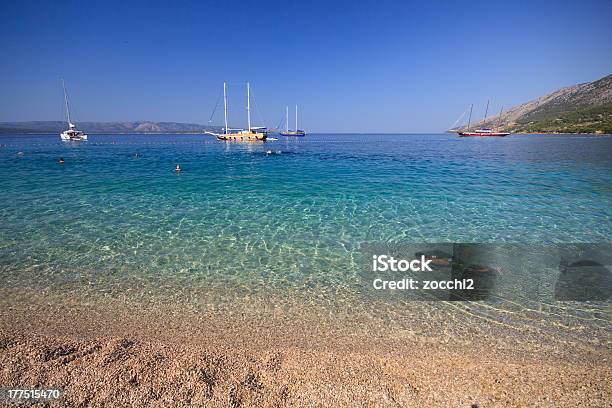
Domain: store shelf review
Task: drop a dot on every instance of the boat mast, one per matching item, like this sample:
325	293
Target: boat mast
225	106
286	119
296	128
470	117
249	106
500	116
66	102
486	112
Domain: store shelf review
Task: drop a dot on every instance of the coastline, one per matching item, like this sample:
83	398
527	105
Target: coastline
51	133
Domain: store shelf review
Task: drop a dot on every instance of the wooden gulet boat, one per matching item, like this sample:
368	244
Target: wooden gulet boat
251	134
482	132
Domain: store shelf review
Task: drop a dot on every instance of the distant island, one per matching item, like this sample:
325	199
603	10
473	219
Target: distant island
106	127
582	108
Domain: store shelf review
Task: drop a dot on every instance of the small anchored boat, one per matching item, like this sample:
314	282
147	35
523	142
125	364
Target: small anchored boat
251	134
72	133
297	132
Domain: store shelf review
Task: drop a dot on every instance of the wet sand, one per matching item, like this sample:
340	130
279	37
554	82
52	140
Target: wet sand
112	353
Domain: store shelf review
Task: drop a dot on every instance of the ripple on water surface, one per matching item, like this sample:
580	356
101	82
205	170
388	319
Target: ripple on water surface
116	217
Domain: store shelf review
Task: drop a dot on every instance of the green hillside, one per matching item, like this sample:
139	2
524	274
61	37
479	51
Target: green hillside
589	119
582	108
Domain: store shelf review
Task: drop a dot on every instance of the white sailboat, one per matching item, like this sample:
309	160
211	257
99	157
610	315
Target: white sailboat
72	133
251	134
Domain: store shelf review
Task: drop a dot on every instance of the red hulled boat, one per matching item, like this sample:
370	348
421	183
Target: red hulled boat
482	132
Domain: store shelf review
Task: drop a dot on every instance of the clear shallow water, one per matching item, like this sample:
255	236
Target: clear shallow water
291	221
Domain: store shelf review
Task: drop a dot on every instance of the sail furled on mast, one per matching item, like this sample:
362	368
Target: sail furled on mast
66	103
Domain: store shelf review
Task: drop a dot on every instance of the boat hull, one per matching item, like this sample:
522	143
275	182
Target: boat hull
478	134
294	134
72	137
242	137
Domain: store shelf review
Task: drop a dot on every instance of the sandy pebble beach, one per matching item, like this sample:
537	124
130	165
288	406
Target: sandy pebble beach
131	358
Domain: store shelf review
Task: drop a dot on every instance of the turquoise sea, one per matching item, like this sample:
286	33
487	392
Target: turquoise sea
284	216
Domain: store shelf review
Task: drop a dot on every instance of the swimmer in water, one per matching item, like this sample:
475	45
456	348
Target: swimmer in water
177	168
61	160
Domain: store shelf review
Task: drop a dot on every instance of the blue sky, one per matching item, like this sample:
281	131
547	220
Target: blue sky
358	66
